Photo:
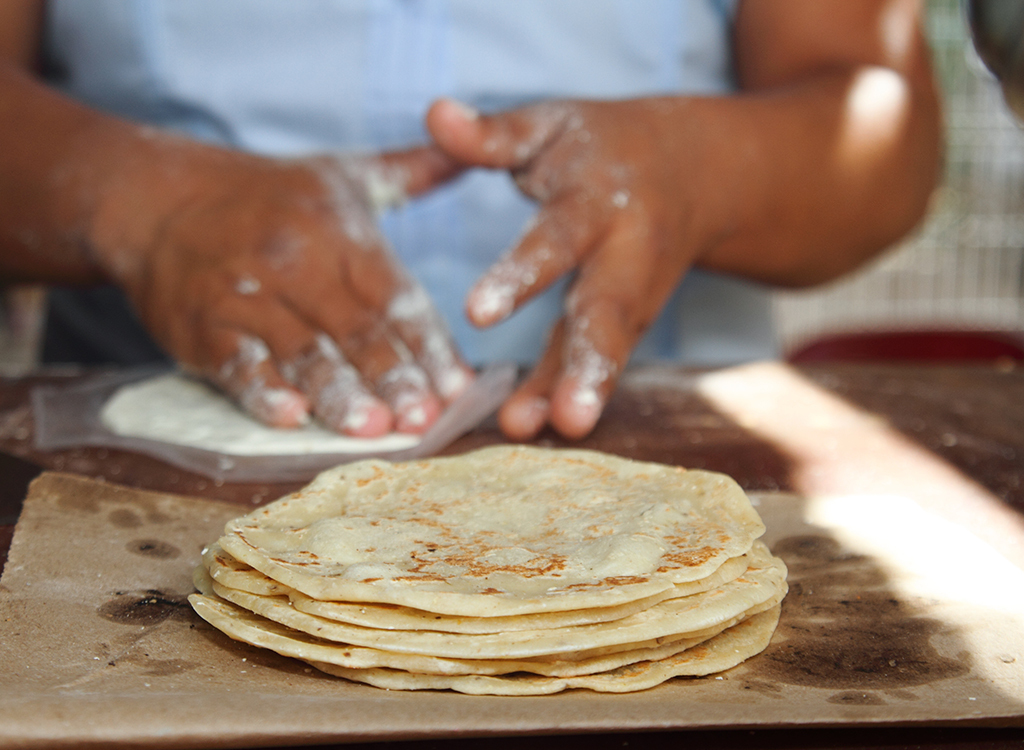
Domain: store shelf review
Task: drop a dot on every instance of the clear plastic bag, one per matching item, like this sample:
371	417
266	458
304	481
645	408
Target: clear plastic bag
69	416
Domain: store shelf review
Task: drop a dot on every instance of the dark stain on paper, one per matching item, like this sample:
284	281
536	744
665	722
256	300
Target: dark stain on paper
153	548
153	515
768	689
153	667
125	518
843	628
78	501
855	698
144	607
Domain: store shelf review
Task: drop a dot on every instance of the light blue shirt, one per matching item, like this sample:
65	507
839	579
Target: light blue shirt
295	78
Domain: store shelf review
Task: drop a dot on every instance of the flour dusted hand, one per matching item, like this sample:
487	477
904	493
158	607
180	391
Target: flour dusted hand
788	182
271	279
618	206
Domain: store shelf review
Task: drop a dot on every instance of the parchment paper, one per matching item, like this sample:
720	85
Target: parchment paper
894	616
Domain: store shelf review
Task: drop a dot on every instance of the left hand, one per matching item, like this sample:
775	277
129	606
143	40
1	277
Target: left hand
625	202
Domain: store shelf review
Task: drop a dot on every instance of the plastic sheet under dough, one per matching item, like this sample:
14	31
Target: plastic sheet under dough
174	408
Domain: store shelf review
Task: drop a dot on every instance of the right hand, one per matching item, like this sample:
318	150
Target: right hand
271	279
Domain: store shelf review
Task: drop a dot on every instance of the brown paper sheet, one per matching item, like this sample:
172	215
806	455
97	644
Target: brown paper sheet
894	616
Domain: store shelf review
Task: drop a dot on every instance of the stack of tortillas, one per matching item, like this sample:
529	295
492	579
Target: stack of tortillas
509	571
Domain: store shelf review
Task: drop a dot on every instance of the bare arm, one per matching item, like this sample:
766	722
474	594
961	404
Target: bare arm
268	277
21	23
36	238
828	152
840	129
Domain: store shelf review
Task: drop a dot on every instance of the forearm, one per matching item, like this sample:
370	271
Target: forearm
63	168
817	177
833	142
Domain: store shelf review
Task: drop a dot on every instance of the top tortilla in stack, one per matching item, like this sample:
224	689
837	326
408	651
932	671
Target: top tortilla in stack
506	539
500	531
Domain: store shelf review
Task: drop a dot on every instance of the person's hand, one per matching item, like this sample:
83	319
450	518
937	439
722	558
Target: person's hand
271	279
622	190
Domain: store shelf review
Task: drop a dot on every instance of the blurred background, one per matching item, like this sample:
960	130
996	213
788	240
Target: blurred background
962	271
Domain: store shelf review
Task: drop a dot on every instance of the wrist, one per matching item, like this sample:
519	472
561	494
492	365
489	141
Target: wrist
725	166
143	179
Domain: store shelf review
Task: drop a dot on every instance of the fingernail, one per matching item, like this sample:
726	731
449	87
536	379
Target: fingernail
367	417
416	418
467	112
279	407
587	405
532	414
491	302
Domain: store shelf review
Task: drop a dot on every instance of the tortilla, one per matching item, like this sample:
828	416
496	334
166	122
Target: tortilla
180	410
674	617
508	571
235	575
247	627
506	530
726	650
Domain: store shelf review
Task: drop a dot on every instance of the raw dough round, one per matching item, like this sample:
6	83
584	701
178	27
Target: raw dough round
180	410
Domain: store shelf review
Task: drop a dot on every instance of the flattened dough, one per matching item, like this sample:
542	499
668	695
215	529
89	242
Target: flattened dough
180	410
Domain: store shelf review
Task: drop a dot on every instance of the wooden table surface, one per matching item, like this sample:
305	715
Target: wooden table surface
951	437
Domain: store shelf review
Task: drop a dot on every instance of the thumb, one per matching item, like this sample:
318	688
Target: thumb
420	169
505	140
388	179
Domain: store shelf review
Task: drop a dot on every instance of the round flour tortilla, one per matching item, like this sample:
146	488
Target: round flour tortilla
764	581
235	575
247	627
505	530
179	410
724	651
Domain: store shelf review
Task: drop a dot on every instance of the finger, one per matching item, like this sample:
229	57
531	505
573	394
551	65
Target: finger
247	374
553	244
386	180
330	388
422	329
608	308
348	304
420	169
507	140
337	393
595	350
373	347
406	388
525	412
340	398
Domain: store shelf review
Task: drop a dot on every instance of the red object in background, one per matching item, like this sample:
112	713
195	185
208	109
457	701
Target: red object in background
912	346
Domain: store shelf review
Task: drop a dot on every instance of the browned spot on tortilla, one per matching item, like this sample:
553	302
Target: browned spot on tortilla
378	473
687	558
624	580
